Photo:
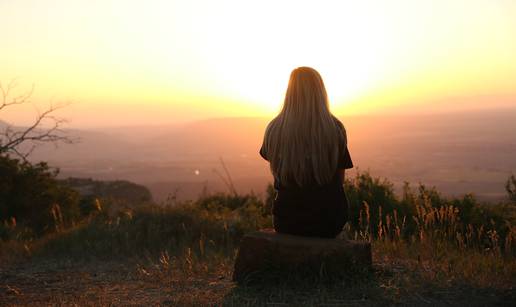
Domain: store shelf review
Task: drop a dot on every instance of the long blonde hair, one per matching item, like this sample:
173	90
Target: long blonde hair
301	142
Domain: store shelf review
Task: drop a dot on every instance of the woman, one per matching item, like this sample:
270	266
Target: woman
307	149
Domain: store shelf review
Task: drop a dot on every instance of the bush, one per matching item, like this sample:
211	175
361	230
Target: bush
32	199
510	187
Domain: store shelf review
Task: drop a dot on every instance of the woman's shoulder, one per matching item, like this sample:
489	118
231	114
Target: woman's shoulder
270	125
272	122
339	124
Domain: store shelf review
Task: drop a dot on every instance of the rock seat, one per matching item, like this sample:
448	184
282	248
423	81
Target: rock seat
266	251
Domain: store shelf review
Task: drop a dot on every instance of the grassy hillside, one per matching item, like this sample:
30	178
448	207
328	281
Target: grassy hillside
427	250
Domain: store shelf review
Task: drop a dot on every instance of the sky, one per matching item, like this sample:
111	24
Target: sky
123	62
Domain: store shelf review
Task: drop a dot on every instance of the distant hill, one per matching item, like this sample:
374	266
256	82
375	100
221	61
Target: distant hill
119	190
457	152
2	124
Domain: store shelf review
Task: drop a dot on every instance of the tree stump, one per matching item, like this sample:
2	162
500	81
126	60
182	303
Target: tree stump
268	252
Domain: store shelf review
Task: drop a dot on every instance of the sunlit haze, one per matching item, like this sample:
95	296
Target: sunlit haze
155	62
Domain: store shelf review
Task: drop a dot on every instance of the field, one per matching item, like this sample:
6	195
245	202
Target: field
183	254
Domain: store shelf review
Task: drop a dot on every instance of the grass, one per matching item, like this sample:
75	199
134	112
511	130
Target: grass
187	279
183	256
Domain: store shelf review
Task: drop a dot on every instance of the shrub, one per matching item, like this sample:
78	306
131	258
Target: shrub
31	196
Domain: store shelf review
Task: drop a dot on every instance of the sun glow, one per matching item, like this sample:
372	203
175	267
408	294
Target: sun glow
168	60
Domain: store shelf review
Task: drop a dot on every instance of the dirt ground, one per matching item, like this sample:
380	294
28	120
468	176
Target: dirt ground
67	283
122	284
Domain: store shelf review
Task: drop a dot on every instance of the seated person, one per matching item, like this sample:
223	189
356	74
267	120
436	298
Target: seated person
307	149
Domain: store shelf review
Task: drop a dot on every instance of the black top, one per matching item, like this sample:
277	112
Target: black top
344	162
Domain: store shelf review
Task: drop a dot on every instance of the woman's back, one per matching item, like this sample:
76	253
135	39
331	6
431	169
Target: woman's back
307	150
343	162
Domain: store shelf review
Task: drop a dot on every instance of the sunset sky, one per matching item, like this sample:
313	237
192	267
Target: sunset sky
139	62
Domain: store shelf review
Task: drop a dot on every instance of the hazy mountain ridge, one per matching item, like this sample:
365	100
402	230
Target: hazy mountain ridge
457	152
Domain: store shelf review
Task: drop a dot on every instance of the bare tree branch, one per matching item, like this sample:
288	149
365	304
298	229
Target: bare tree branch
46	128
20	99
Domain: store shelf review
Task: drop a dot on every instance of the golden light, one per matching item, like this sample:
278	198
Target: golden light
168	60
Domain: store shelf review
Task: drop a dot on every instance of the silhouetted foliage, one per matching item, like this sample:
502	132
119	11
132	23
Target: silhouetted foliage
88	205
510	187
32	199
221	202
373	191
30	193
378	196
